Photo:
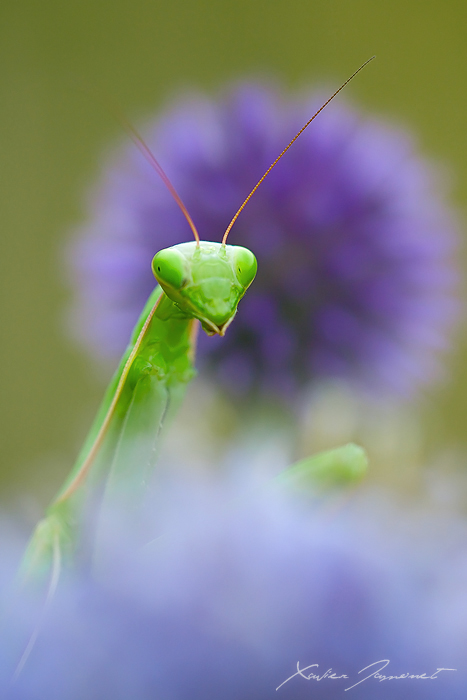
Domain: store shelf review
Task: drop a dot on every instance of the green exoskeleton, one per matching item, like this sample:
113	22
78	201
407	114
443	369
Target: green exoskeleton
199	283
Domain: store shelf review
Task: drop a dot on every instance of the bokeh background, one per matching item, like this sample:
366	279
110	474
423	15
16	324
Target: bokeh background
53	136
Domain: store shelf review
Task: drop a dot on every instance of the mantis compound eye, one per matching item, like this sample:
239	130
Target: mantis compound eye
245	265
168	266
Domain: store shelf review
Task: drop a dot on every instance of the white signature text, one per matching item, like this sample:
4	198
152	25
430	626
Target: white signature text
376	666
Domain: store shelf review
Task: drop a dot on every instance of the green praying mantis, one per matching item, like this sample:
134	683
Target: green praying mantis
199	283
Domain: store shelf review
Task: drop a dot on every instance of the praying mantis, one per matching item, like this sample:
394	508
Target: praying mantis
199	283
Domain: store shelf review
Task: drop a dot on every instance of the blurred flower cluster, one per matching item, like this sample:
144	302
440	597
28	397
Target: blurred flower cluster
237	585
352	232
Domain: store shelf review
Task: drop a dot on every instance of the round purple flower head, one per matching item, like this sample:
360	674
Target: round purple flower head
352	237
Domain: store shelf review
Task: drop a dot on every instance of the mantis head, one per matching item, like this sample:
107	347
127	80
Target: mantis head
206	280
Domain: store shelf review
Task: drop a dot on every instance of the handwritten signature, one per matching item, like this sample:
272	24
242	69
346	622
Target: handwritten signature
375	674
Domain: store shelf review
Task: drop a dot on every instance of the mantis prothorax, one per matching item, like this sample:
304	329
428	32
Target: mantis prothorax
198	283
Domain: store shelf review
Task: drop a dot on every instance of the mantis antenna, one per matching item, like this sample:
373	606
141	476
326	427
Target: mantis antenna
150	157
224	239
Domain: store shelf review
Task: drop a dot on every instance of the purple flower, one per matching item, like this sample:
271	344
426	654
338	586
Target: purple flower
353	237
226	600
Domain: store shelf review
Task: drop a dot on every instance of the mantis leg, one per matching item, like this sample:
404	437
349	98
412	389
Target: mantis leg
341	466
136	449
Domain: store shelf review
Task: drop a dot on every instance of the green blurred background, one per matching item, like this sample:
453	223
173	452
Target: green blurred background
53	136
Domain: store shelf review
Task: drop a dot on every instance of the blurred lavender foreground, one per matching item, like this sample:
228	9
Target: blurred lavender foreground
230	594
353	237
